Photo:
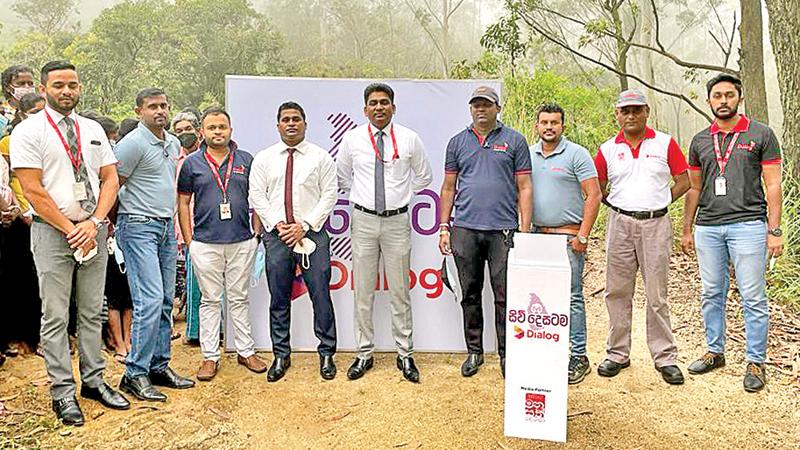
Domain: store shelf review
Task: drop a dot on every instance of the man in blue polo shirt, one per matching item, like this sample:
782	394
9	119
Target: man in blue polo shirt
221	245
146	236
490	165
566	198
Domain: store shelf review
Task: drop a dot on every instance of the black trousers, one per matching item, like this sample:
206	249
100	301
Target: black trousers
281	265
472	249
22	308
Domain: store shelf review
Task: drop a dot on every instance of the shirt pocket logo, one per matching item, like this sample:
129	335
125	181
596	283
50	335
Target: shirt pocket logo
500	148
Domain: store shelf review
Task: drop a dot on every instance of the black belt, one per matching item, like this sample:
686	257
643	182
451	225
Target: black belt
387	213
640	215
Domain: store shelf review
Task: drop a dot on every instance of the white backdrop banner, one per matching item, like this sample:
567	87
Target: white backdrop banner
436	110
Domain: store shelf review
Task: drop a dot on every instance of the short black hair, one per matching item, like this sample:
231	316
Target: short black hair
10	73
108	124
147	93
30	100
126	126
724	78
60	64
291	105
378	87
551	108
214	111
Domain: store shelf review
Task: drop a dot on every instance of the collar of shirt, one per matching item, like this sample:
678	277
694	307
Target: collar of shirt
302	147
649	133
58	117
152	138
232	146
387	130
742	125
562	145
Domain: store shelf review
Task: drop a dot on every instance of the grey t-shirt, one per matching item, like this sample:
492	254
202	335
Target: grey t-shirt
744	201
557	195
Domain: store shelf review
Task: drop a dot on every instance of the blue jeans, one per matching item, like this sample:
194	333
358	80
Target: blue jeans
151	254
745	244
577	307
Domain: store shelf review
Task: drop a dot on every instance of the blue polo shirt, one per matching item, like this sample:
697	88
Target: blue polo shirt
149	164
557	196
486	189
197	178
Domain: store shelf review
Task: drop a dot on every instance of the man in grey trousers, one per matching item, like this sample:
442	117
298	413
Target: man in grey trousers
381	165
67	171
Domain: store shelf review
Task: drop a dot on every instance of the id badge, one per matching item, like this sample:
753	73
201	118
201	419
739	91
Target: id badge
79	191
225	211
720	187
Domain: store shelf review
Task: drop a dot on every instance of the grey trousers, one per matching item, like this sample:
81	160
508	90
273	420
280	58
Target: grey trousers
373	236
54	267
633	245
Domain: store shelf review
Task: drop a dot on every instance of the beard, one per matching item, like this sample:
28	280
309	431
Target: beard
732	111
53	102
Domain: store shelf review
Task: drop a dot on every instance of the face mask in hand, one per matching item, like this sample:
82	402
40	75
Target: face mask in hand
258	266
305	248
21	91
187	139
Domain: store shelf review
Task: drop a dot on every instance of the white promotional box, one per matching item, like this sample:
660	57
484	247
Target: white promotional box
537	337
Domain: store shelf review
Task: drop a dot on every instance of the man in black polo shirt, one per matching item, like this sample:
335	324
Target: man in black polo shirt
490	164
735	222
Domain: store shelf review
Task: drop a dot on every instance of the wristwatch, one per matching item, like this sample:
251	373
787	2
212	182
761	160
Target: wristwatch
776	231
583	239
97	222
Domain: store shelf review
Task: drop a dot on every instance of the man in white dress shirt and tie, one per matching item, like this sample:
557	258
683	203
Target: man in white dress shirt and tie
380	166
293	190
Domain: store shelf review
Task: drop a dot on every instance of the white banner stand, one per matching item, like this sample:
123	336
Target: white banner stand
537	338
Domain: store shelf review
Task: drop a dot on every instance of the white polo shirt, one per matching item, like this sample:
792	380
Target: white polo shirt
36	145
640	177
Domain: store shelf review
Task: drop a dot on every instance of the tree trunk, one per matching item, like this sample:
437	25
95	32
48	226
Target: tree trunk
784	27
621	64
751	60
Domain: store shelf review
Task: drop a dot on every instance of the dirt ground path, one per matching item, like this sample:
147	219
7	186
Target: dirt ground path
241	410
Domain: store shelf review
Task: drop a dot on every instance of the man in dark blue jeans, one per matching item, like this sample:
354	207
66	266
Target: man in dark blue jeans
490	164
146	235
293	190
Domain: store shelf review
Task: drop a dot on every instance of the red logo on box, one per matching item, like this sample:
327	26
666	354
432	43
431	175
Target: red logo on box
534	407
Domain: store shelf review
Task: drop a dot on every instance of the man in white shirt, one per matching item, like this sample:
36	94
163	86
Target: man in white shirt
67	171
293	190
381	165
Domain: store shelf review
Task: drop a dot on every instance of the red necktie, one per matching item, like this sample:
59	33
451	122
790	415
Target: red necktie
287	186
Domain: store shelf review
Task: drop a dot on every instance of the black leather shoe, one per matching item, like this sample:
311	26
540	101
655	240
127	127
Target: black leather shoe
409	369
68	411
359	368
671	374
755	377
141	388
471	364
327	368
278	368
707	363
609	368
106	396
503	366
169	379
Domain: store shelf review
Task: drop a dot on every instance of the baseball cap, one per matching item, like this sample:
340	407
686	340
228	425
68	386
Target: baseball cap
631	97
485	92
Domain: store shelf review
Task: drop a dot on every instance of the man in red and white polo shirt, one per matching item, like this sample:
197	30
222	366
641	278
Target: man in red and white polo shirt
639	163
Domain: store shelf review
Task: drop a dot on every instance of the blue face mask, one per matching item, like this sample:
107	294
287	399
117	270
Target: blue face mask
258	266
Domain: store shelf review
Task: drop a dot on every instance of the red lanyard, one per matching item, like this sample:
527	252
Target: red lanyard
76	159
722	161
375	147
215	171
481	140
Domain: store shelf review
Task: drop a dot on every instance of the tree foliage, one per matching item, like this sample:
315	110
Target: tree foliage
47	16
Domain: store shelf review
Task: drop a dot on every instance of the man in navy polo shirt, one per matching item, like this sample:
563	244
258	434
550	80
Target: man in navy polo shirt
221	245
735	222
490	164
566	197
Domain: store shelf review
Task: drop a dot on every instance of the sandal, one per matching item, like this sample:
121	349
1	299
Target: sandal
176	335
120	358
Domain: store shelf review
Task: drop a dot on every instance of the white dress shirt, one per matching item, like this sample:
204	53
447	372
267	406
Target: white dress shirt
35	145
313	185
403	177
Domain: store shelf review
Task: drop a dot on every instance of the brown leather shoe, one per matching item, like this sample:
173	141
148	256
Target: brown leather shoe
208	370
253	363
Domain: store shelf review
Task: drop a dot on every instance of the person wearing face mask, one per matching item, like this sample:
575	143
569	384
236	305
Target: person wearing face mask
24	315
17	81
186	127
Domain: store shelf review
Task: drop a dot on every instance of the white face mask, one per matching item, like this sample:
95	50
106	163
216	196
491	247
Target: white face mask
305	248
21	91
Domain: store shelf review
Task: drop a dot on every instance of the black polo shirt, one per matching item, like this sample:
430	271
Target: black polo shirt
744	201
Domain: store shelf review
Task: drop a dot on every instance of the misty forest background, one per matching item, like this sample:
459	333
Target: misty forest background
579	53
